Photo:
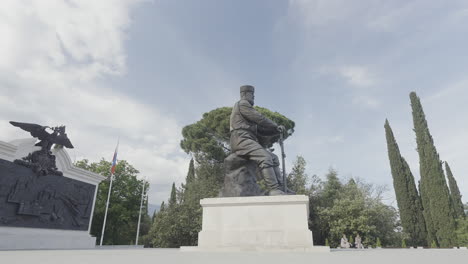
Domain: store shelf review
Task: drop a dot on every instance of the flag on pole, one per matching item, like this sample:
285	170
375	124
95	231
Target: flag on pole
114	159
114	164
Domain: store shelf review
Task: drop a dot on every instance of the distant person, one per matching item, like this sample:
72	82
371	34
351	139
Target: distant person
344	242
357	242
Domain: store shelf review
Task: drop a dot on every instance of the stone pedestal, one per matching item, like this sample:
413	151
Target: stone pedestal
256	223
44	212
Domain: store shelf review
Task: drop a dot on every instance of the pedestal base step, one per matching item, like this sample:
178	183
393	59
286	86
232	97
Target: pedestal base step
314	249
14	238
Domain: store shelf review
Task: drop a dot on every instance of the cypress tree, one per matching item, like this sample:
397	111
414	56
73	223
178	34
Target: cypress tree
459	209
427	217
191	173
435	196
378	244
154	215
408	200
189	180
145	204
173	198
297	179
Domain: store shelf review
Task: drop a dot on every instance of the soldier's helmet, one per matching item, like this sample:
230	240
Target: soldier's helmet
247	88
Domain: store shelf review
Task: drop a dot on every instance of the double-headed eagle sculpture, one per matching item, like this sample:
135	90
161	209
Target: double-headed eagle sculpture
42	161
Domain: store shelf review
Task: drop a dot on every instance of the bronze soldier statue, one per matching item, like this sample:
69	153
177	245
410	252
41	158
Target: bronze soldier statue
246	122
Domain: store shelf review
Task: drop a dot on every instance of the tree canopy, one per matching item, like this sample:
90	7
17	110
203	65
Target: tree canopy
351	208
208	138
298	178
124	205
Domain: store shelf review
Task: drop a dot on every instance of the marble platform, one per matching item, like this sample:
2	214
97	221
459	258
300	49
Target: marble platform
256	223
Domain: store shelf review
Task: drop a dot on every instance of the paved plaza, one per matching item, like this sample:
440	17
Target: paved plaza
163	256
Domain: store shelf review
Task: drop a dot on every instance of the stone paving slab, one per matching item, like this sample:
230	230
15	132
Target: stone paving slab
163	256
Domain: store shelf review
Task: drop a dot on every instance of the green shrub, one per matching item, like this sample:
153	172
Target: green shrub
462	232
378	243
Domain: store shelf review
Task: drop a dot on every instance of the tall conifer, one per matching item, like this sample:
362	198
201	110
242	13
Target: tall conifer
458	207
173	198
435	196
191	173
408	200
189	180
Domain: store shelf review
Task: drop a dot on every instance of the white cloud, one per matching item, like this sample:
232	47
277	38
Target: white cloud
380	16
389	19
354	75
446	92
360	79
53	55
74	36
358	76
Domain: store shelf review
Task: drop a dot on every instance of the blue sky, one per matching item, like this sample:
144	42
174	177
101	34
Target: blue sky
142	70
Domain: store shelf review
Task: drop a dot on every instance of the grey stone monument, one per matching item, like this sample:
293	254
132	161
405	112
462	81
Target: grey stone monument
45	202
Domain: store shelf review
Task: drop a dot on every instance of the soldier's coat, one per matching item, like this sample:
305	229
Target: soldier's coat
244	122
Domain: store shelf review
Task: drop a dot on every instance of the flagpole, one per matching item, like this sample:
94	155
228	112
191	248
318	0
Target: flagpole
107	207
114	163
139	216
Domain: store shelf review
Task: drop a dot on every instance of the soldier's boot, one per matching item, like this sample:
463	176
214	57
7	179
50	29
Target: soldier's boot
279	177
272	183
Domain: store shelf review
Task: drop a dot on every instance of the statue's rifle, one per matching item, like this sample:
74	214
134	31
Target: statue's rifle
283	156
